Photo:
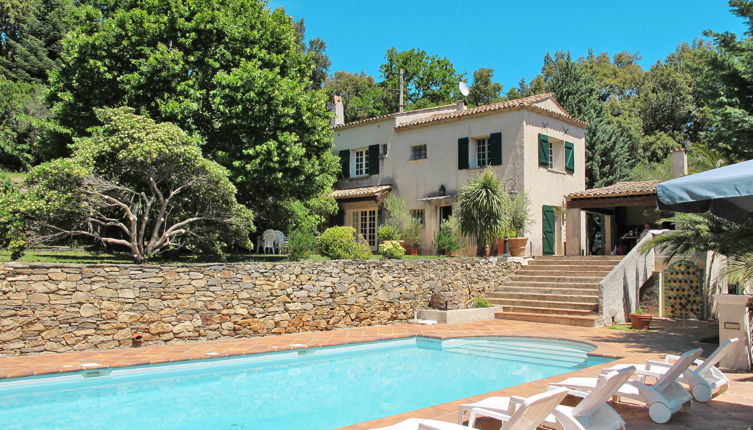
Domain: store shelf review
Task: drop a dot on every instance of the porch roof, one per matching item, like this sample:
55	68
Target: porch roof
636	193
369	191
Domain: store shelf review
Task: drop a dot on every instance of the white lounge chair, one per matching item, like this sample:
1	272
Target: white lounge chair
592	412
663	398
704	381
529	415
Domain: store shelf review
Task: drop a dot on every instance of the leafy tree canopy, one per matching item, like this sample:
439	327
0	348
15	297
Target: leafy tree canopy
484	90
429	80
362	96
230	71
30	37
725	88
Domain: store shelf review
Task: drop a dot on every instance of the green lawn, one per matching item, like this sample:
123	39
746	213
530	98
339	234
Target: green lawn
13	176
76	255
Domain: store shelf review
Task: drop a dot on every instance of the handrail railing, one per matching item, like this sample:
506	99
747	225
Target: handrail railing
619	289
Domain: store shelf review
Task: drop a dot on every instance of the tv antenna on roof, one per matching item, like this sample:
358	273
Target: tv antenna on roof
464	89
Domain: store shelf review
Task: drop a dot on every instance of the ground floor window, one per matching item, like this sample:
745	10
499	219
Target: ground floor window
418	214
365	223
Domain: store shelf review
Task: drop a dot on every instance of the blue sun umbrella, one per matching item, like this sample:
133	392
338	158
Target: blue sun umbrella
727	192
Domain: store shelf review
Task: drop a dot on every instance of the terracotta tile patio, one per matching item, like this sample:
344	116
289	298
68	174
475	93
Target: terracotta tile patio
731	410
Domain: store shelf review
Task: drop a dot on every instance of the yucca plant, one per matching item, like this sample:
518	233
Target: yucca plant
482	209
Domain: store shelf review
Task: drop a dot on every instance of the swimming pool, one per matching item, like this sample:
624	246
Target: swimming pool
320	388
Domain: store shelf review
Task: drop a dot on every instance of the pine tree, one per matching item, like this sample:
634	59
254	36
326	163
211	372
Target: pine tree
607	155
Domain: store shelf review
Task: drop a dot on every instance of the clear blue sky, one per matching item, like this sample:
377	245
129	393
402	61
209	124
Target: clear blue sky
511	37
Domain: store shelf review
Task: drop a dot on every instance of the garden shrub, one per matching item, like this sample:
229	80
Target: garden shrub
341	243
302	243
391	249
448	238
388	232
481	302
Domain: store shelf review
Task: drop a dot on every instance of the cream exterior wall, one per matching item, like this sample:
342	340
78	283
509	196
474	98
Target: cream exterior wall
416	179
546	186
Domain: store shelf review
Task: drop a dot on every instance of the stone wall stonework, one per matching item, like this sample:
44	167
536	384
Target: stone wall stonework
71	307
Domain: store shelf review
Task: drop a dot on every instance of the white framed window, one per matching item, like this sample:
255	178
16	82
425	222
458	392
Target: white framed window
418	152
551	155
556	154
360	162
365	223
418	214
480	152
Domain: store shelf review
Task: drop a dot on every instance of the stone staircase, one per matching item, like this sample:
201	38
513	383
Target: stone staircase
554	289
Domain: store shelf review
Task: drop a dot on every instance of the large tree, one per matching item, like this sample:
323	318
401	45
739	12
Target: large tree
725	89
429	80
362	96
230	71
139	186
608	158
320	62
484	90
30	37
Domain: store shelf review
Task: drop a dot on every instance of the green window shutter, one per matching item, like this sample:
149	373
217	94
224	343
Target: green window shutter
543	150
345	163
374	159
569	157
462	153
548	230
495	149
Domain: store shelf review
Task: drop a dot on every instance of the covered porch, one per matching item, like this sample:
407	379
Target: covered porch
616	217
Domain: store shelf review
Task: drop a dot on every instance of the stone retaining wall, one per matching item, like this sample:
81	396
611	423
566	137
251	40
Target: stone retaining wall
64	307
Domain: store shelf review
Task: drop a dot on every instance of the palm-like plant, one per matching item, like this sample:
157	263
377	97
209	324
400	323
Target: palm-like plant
482	209
700	233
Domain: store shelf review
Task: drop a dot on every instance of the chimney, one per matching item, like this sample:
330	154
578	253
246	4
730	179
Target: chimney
679	163
339	110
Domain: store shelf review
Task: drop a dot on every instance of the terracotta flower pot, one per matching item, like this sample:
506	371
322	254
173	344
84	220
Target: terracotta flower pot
516	246
640	321
411	250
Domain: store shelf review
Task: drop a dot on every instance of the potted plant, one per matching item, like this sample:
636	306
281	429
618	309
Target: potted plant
448	239
482	210
389	232
639	320
399	218
517	221
412	236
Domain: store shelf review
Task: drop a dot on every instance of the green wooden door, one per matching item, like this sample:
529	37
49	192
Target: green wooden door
548	224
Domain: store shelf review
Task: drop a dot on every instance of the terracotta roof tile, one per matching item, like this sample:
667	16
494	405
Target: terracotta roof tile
522	103
390	116
350	193
619	189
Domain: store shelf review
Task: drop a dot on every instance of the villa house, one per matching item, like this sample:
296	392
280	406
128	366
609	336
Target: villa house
427	155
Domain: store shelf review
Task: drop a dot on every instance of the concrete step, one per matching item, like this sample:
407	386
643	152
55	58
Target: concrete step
593	258
525	353
569	267
584	306
545	271
539	296
575	289
537	309
579	263
582	321
555	279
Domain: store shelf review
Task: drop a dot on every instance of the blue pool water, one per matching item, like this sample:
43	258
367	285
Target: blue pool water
310	389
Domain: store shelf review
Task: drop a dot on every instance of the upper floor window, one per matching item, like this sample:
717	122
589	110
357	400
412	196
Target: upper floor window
556	154
361	162
481	152
418	152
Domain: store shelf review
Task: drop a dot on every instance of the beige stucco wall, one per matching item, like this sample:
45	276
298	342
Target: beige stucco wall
546	186
416	179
